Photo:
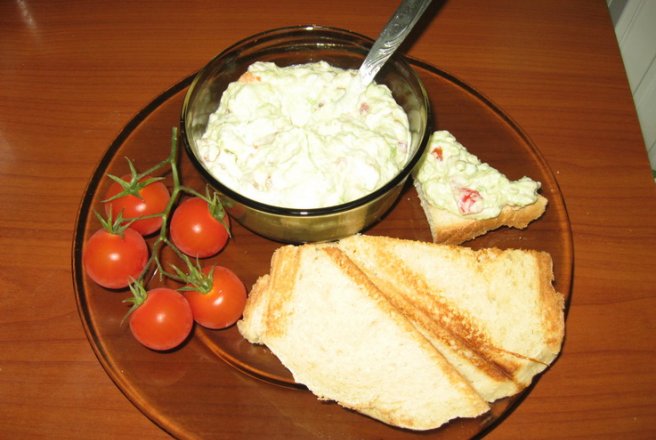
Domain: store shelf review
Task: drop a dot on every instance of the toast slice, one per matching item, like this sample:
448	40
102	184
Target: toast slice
337	334
449	228
464	198
494	314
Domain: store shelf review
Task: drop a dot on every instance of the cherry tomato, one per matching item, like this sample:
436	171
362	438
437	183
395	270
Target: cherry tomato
163	320
152	199
223	304
114	260
195	231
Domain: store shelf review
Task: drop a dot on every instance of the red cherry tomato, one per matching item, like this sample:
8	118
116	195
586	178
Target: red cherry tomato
114	260
163	321
153	200
223	304
195	231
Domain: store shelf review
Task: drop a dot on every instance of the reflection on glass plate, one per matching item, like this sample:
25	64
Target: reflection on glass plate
218	384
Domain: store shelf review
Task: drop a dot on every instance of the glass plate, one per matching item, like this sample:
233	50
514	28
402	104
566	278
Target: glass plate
218	384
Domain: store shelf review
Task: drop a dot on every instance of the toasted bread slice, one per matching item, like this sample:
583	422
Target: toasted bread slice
463	197
493	314
338	335
449	228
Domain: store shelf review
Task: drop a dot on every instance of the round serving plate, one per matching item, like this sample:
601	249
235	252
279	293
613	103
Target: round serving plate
217	384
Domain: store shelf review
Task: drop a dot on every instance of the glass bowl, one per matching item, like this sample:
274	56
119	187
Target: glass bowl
300	45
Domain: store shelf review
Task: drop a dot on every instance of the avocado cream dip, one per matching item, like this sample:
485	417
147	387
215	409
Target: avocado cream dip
457	181
302	137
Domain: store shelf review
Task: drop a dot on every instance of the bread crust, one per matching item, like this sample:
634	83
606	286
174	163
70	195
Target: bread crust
253	323
284	268
449	228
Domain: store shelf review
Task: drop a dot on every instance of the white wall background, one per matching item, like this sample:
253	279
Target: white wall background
635	27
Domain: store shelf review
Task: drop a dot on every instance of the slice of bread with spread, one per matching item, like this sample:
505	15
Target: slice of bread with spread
413	334
494	314
339	336
463	197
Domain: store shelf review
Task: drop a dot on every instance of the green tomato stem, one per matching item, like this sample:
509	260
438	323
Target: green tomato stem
162	237
193	276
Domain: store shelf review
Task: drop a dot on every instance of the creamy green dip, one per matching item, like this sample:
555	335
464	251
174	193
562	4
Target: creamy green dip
457	181
303	137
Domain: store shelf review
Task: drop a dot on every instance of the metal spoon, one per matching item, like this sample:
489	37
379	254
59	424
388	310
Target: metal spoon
391	37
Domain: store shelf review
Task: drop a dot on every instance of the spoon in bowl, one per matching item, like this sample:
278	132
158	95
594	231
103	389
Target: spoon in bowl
395	31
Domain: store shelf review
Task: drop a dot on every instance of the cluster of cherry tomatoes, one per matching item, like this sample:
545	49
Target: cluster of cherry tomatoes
117	256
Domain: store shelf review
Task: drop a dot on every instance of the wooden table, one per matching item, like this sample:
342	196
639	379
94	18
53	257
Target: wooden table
72	74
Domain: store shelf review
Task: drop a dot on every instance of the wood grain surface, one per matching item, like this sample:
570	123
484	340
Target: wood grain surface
73	73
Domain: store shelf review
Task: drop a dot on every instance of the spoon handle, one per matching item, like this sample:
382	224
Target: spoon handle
391	37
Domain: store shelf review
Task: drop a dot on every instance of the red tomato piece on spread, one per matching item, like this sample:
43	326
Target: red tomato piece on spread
469	201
